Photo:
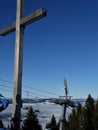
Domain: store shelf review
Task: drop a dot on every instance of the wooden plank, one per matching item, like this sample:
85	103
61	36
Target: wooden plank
34	16
16	111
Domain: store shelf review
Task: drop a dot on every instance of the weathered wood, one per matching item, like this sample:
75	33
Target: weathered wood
18	26
16	110
34	16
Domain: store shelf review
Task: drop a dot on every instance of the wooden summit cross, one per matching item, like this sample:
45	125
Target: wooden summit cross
18	26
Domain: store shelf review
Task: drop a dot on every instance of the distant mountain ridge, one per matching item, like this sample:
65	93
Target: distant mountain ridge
40	100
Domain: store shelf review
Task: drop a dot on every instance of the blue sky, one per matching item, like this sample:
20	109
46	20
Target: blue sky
62	44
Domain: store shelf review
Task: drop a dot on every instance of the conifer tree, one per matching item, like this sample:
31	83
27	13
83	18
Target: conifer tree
89	110
53	125
84	118
79	117
72	121
31	122
96	116
76	119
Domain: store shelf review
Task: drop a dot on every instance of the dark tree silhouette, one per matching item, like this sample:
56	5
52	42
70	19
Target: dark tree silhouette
96	116
53	125
89	110
1	124
31	122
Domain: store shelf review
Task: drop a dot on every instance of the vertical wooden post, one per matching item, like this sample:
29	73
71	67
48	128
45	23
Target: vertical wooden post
19	25
16	112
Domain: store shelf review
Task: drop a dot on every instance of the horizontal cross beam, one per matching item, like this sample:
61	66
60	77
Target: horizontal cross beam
62	101
24	21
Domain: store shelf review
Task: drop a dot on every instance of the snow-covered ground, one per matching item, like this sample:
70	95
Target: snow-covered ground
46	110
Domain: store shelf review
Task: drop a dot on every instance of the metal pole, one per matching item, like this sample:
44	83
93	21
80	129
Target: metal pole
16	112
63	119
